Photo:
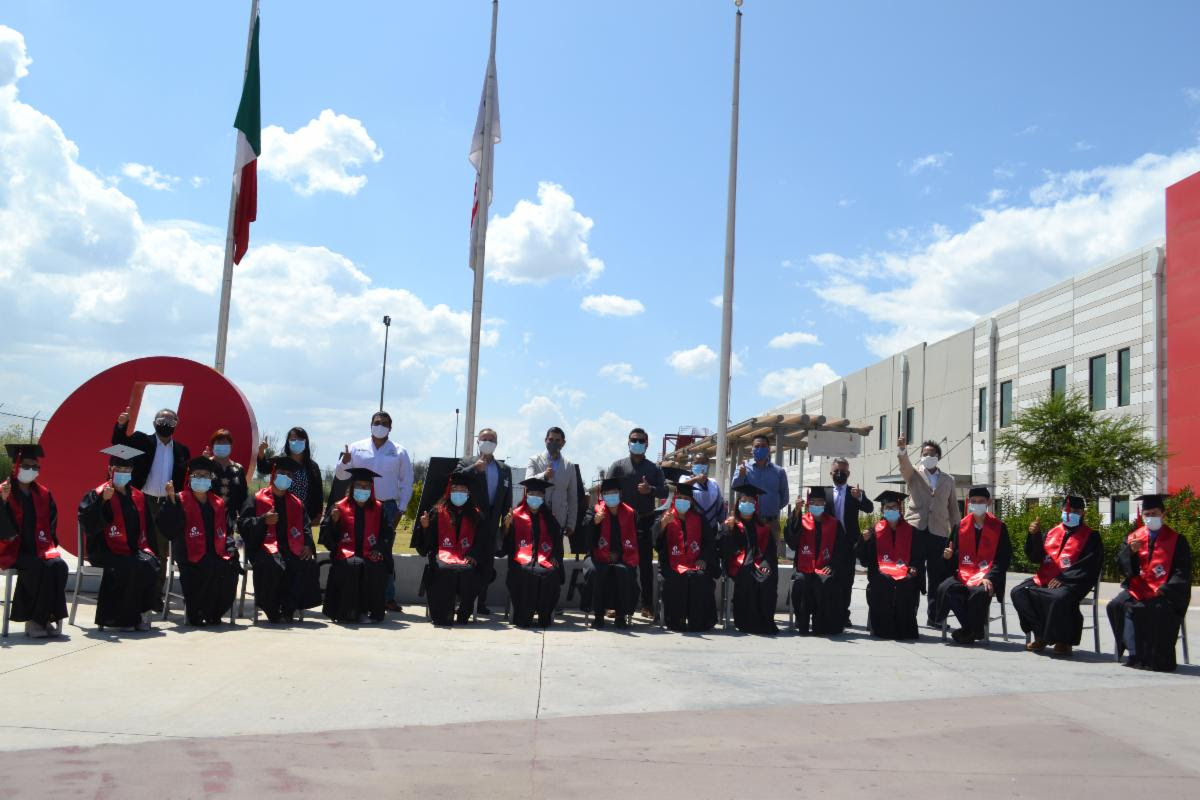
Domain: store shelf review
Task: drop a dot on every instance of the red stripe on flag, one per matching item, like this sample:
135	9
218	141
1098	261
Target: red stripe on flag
474	202
246	211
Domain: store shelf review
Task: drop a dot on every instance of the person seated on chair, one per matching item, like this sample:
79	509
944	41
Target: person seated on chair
29	541
892	552
1069	556
611	568
280	547
354	531
819	541
1157	565
750	552
687	560
117	526
980	547
533	542
200	528
447	537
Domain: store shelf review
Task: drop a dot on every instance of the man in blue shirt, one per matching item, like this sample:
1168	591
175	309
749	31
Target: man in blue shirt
768	477
491	493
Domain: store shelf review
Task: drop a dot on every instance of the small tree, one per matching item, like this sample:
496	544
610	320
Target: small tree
1059	442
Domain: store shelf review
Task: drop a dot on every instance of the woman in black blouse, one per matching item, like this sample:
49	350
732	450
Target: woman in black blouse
307	484
230	479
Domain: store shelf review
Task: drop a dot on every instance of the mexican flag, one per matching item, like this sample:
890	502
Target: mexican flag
249	144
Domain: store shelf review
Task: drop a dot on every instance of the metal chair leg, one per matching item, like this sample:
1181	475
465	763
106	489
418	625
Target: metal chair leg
1182	635
75	593
8	579
1096	616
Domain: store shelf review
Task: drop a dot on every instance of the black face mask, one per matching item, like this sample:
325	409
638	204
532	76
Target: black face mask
840	477
165	431
553	447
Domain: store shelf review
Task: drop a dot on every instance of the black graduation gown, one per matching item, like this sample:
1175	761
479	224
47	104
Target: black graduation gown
1155	623
41	592
971	604
1052	615
355	588
608	586
815	596
689	599
283	582
129	585
209	585
755	595
448	588
892	604
531	588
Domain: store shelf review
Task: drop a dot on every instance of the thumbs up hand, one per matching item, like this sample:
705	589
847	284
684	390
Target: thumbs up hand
123	417
856	492
170	489
106	494
336	514
346	454
262	448
5	491
424	519
644	487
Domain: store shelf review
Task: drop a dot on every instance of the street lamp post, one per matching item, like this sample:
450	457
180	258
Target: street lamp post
455	451
387	327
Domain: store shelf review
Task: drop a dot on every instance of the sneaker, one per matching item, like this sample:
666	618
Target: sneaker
35	631
647	612
962	636
143	626
1036	646
53	628
392	605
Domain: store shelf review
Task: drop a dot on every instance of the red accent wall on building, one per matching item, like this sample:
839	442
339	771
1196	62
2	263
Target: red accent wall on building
1183	333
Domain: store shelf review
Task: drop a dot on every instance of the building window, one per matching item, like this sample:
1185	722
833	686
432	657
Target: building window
1123	377
1006	404
1120	508
998	507
1058	381
1096	382
883	432
906	425
1031	503
983	415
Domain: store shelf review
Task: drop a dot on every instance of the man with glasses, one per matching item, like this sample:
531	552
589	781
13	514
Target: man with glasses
641	482
163	460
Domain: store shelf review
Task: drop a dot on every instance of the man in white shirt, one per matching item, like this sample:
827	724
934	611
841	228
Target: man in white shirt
562	497
393	487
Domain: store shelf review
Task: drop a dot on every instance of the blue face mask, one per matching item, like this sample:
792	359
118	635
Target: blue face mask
1070	518
200	484
699	469
816	511
762	453
637	448
533	501
891	514
612	500
296	446
459	498
222	450
283	482
121	479
682	504
362	495
746	508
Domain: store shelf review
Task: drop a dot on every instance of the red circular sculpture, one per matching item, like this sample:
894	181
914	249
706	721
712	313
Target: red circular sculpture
83	424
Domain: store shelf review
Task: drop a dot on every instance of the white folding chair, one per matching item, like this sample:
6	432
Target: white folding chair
727	601
247	568
660	612
82	568
987	628
787	601
1183	642
1094	600
9	574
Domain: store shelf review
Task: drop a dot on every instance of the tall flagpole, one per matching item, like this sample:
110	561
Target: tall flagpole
730	218
227	276
483	196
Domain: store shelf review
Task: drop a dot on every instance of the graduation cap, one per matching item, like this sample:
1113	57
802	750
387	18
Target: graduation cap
749	490
673	474
1152	501
18	451
979	491
890	497
203	464
683	487
1074	501
285	464
536	484
460	477
816	493
121	455
610	484
362	474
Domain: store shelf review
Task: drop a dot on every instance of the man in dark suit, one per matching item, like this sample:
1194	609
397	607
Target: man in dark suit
846	502
162	460
491	493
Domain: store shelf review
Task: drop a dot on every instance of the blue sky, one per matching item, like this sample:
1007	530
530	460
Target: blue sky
904	167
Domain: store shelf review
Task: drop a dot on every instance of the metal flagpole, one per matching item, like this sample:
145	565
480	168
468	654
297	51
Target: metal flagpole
227	275
730	218
482	199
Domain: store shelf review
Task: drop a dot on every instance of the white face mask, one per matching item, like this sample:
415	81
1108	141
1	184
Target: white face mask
27	475
1152	523
978	509
929	462
380	431
486	448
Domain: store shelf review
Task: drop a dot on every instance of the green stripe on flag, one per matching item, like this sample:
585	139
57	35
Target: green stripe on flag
249	113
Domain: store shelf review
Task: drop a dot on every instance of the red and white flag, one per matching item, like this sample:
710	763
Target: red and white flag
485	138
249	144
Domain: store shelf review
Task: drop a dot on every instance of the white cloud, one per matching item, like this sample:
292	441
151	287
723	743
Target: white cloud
541	241
1192	94
1027	130
14	60
1073	221
792	382
610	305
148	176
1083	146
1003	173
317	157
622	373
699	360
197	181
845	202
785	340
996	195
931	161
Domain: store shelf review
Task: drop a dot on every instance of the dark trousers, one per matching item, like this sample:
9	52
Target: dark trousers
646	559
126	589
817	597
354	590
937	569
532	592
158	541
445	587
689	601
1148	631
970	604
41	593
613	586
1049	615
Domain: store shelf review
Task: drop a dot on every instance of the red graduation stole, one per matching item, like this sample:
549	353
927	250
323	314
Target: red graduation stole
1153	568
683	540
974	560
374	518
453	550
628	522
264	503
893	549
193	526
47	548
762	539
811	555
523	539
1060	554
117	537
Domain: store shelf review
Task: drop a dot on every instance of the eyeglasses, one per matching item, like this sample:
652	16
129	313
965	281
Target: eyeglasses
640	441
33	467
170	423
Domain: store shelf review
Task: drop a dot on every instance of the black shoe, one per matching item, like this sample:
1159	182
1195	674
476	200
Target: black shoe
392	605
622	622
598	622
962	636
483	610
